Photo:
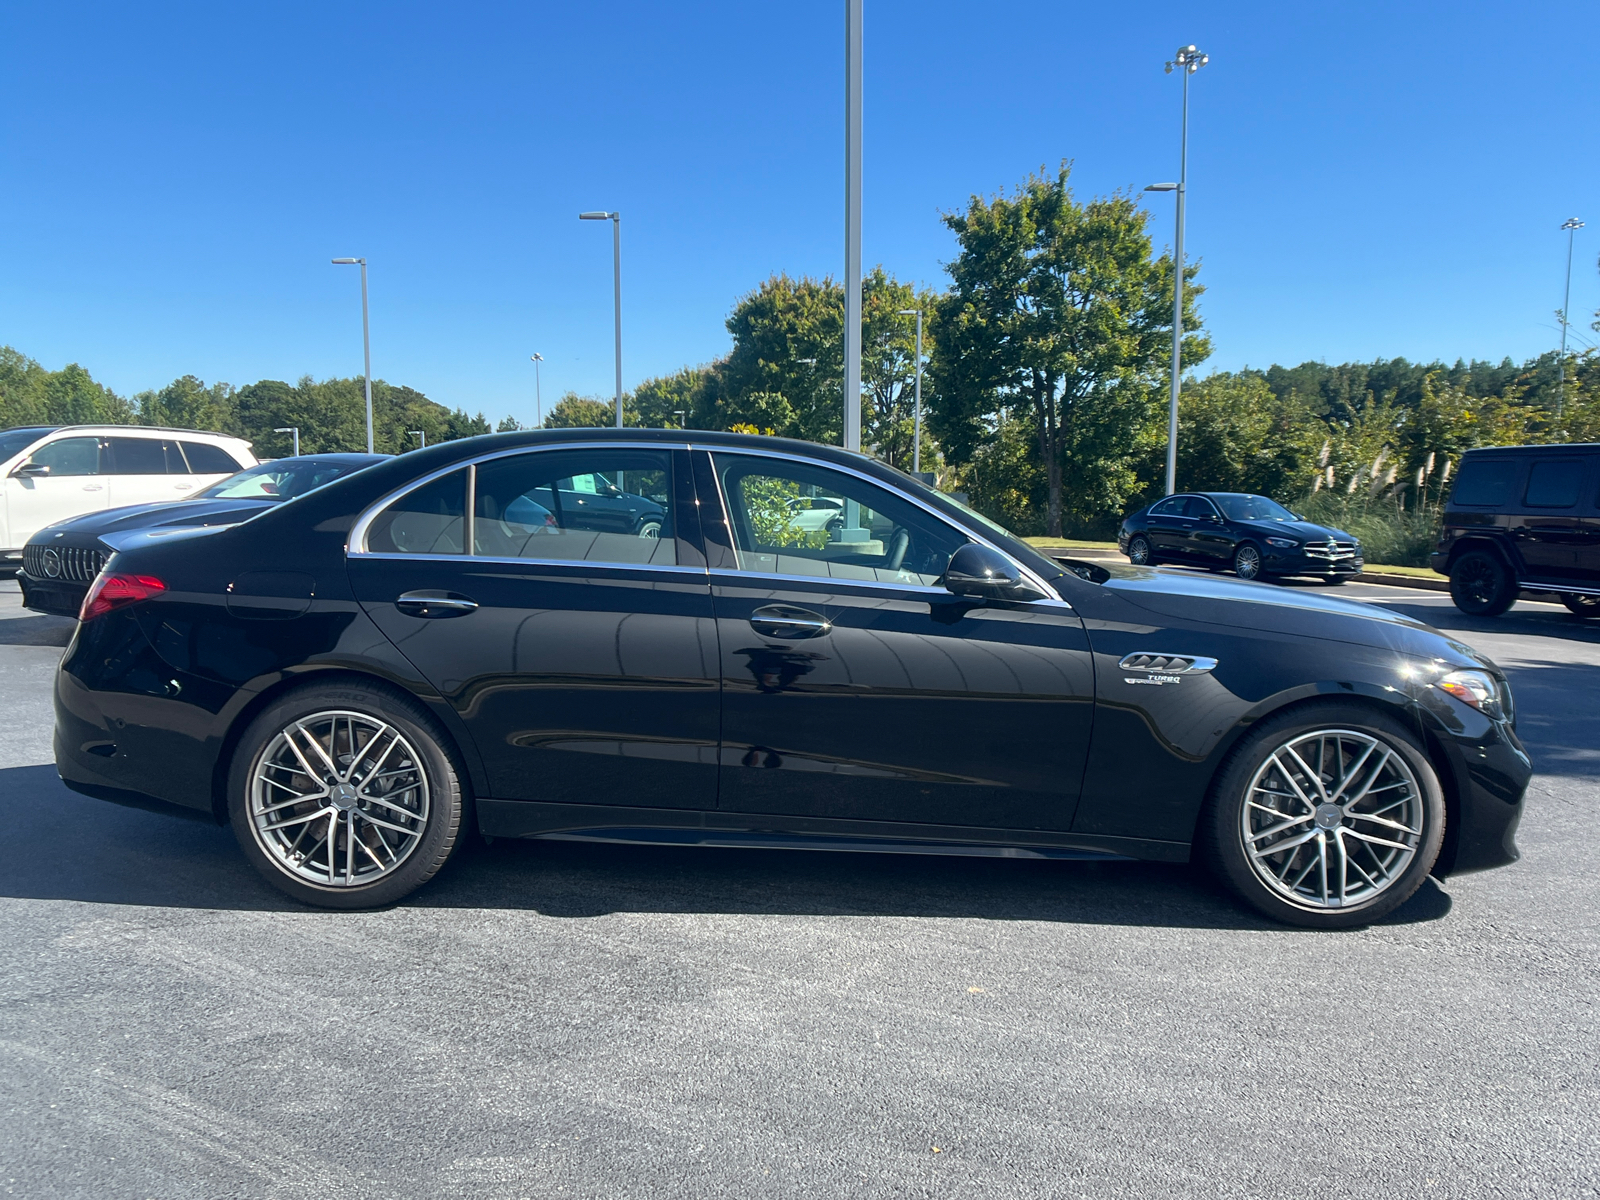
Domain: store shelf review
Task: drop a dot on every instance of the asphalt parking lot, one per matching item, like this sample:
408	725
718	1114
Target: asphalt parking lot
565	1020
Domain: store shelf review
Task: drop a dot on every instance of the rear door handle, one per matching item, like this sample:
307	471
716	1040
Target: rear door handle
789	623
430	603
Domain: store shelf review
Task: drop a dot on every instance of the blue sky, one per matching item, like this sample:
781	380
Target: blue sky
1366	179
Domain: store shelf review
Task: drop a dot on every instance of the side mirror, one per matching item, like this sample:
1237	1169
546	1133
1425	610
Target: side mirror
976	570
31	470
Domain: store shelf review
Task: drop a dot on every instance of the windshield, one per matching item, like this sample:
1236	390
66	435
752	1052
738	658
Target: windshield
1252	508
15	441
283	479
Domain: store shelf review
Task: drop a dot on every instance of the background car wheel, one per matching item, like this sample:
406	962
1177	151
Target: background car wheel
1247	561
1329	816
1335	580
1481	586
650	527
1584	606
1139	553
344	796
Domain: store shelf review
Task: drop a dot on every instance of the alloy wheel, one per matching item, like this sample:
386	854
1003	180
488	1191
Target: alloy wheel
650	529
1139	552
1332	818
338	798
1478	580
1247	562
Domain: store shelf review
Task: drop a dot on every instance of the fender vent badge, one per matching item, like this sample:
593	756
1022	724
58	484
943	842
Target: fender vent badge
1167	664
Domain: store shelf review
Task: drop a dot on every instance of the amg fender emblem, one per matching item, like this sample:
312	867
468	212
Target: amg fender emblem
1164	668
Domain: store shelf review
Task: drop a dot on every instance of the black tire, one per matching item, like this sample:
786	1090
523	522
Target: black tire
1247	561
426	778
1140	553
1222	833
650	527
1583	606
1480	584
1335	580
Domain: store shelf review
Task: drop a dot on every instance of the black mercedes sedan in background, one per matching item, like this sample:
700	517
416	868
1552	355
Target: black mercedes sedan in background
1254	537
442	644
61	560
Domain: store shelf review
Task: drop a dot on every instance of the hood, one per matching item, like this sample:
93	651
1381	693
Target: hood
1238	604
1304	530
166	514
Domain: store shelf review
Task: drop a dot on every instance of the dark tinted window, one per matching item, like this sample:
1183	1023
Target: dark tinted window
206	459
610	506
69	456
1199	508
427	520
1554	483
136	456
1486	481
281	480
1170	507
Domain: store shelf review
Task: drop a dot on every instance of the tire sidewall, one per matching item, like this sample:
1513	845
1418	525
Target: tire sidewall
1223	842
1504	592
444	790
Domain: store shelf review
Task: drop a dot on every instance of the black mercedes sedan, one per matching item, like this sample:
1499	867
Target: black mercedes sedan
1254	537
442	645
61	560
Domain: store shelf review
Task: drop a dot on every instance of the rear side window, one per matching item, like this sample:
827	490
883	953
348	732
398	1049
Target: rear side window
69	456
426	520
206	459
1486	481
1554	483
136	456
1171	507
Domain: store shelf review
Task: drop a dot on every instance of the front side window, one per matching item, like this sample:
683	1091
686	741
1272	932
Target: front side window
69	456
1554	483
426	520
603	506
795	518
1199	508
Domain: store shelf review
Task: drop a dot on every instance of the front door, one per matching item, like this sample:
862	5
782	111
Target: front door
582	662
856	687
73	486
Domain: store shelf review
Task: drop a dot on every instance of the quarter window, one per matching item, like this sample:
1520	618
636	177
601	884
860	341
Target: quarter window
609	506
426	520
206	459
793	518
69	456
1554	483
1486	481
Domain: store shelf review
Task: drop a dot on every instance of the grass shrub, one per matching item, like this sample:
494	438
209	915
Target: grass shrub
1389	534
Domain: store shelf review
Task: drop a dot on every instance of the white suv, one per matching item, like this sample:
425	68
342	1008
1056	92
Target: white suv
50	473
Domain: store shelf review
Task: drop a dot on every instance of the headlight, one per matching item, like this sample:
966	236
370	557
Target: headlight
1282	543
1476	688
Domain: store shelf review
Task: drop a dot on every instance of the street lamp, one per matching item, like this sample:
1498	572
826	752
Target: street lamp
616	269
366	340
683	417
1188	60
538	394
294	429
916	436
1571	225
852	225
422	434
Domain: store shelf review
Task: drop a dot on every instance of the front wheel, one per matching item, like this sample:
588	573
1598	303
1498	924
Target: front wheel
1335	580
1247	561
1139	552
1583	606
1329	816
1481	586
344	796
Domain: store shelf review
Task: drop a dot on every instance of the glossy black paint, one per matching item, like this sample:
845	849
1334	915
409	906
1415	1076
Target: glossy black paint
639	703
1205	536
1548	542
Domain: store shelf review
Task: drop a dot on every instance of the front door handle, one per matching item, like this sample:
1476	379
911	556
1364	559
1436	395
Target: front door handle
789	623
431	603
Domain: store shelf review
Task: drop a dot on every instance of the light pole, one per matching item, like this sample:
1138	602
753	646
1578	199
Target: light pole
1571	225
366	340
1188	60
616	269
916	425
852	224
683	417
294	429
422	434
538	394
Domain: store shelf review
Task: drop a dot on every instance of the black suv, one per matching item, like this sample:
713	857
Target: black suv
1523	517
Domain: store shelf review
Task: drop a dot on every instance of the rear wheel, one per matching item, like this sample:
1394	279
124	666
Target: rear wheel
650	527
1139	552
1329	816
1481	586
1584	606
344	796
1247	561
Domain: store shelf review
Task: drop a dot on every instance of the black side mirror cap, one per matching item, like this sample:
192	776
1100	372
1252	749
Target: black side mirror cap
976	570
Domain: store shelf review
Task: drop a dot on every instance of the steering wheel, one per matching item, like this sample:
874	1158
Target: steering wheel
898	545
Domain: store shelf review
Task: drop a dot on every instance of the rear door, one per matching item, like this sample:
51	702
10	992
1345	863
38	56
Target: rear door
1168	528
1210	540
1550	530
72	486
145	470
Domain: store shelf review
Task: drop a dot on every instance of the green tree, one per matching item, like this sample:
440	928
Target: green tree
1059	317
573	411
889	368
786	365
658	402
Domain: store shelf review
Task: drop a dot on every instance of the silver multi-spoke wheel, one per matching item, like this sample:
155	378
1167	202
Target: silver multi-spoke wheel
338	798
1332	818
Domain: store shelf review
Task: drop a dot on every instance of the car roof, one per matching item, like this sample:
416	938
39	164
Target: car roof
1553	448
138	429
333	456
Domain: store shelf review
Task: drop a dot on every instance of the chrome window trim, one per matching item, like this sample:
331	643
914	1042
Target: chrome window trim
1038	583
603	564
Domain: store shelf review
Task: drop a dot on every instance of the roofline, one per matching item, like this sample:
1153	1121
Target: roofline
1542	448
124	428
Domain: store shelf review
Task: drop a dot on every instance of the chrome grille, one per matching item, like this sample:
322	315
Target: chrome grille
1331	550
71	564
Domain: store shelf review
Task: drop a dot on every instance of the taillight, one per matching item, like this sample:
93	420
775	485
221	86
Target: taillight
113	591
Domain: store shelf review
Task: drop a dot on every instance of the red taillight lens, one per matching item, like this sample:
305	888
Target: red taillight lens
113	591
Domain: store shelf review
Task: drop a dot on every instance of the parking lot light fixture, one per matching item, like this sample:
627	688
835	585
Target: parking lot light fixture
1571	225
538	395
916	424
616	270
421	435
295	430
366	339
1188	60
